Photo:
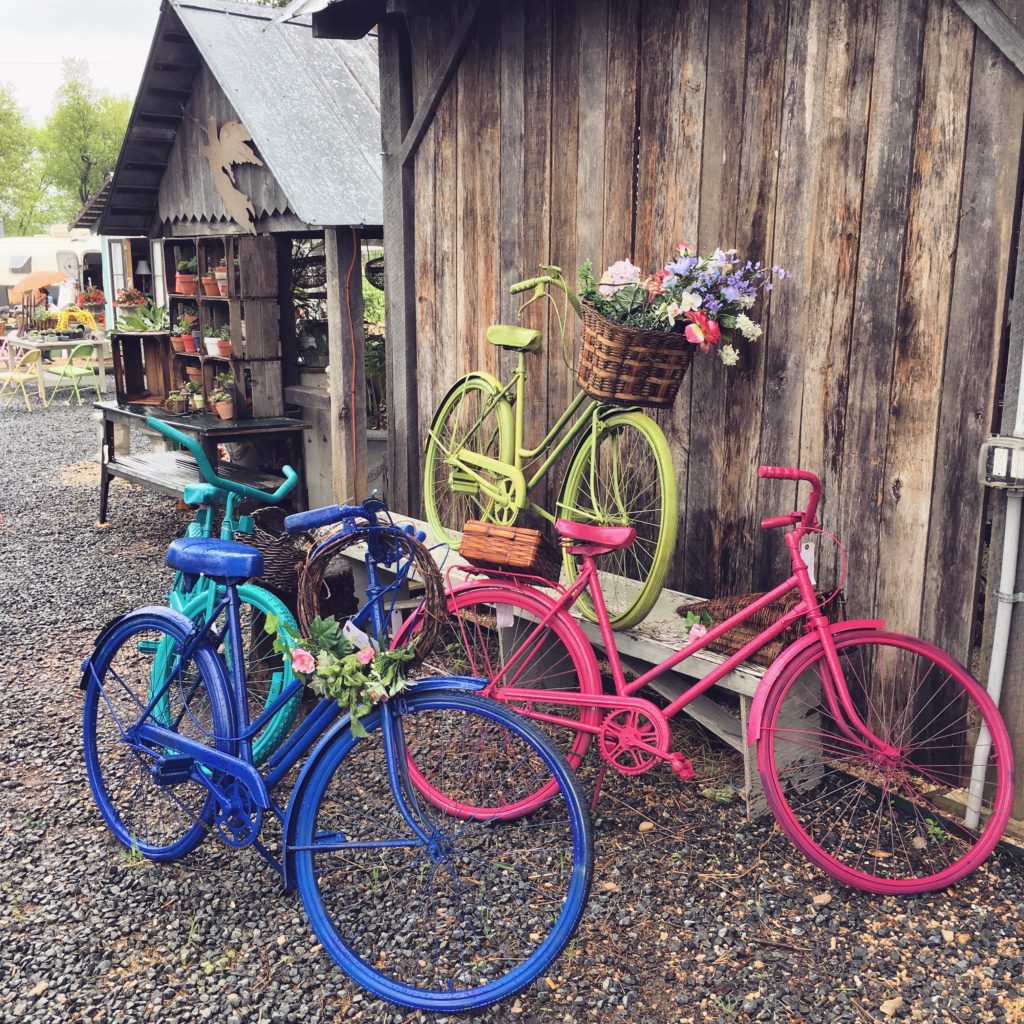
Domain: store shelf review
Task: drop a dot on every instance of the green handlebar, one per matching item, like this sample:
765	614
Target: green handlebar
291	478
524	286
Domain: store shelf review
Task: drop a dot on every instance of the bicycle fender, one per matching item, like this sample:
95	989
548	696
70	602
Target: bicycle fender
481	375
370	722
780	664
183	620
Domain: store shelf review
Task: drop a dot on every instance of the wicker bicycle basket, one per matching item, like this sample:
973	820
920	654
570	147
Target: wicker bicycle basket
721	608
509	548
627	366
282	557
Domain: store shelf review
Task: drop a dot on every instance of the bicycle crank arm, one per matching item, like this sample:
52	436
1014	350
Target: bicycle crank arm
515	482
207	757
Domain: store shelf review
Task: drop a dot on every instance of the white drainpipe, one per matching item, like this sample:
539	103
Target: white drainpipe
1006	596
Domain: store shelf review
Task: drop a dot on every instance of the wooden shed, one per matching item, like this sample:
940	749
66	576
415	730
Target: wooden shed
873	149
255	146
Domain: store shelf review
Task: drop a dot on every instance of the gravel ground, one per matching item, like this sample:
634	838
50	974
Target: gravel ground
696	916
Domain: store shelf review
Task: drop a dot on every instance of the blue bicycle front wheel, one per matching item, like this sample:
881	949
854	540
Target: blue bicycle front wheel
154	804
477	912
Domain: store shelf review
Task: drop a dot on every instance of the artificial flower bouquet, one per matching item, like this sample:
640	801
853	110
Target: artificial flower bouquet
344	665
705	298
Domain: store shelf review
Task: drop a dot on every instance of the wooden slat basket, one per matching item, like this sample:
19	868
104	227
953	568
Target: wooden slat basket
721	608
509	548
627	366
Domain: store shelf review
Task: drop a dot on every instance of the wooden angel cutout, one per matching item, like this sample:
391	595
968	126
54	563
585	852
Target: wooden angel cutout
227	147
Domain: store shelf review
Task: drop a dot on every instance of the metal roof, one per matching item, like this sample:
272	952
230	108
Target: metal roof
310	105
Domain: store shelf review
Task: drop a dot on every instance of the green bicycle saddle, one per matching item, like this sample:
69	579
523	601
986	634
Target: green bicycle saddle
514	337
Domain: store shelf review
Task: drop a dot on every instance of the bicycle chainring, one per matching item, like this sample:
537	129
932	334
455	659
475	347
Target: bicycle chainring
626	737
238	819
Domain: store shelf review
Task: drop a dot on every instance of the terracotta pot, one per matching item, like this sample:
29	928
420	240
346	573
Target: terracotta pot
186	284
225	410
210	286
221	273
189	341
222	284
223	348
178	342
195	373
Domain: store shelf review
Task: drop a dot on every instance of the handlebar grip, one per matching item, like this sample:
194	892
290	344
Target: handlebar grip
524	286
780	473
313	518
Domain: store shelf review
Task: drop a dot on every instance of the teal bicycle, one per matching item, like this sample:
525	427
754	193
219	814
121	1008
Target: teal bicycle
268	672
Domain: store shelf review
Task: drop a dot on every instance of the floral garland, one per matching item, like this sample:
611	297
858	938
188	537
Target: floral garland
345	666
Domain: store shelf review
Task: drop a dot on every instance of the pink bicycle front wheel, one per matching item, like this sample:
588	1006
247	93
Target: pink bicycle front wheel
491	634
887	820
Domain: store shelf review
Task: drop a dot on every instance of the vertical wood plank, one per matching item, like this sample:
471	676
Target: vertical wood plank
976	325
855	507
921	328
590	180
346	374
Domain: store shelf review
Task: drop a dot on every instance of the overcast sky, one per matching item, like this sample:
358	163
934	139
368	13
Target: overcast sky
113	36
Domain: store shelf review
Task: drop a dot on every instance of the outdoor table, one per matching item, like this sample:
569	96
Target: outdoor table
170	472
47	344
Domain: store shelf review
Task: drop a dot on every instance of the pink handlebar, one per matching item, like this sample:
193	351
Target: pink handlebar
792	473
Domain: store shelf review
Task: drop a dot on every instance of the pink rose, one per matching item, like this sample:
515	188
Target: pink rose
697	631
303	661
365	656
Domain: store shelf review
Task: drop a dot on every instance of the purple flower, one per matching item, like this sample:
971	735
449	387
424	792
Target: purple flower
730	293
682	266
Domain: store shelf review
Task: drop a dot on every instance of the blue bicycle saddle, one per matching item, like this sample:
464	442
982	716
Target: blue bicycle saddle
218	559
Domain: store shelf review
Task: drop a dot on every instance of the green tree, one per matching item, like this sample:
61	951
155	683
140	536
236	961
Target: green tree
82	137
17	141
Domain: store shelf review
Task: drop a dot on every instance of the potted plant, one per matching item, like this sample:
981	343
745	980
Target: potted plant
175	403
194	372
223	403
220	272
223	341
182	336
194	391
186	281
128	300
210	284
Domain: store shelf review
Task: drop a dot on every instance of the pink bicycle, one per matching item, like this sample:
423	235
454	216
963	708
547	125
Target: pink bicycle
866	739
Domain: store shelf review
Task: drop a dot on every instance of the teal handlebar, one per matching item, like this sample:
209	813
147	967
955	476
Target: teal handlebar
291	478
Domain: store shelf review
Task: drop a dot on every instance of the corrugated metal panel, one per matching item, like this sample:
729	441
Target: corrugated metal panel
311	106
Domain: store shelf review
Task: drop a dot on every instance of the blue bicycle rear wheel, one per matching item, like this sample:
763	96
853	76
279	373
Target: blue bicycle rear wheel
478	912
154	804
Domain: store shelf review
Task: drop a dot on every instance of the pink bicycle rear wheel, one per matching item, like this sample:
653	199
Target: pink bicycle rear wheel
491	634
887	821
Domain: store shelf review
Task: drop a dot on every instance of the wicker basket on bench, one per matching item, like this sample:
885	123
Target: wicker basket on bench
508	548
721	608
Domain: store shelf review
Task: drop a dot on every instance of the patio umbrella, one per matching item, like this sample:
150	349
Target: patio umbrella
32	283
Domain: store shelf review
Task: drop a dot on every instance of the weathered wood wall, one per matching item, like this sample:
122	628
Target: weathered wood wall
873	148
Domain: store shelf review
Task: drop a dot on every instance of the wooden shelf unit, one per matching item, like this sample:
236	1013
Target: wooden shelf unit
250	310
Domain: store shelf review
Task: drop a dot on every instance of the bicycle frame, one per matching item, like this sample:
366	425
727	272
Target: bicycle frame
503	686
513	392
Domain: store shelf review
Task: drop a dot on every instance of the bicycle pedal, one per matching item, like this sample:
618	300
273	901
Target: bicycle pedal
462	482
171	771
682	767
147	646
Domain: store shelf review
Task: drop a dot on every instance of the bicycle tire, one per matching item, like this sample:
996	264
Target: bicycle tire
472	643
634	484
827	791
162	822
467	930
267	672
454	427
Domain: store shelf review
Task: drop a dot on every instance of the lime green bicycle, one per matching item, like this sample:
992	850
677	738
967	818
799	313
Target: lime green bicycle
621	472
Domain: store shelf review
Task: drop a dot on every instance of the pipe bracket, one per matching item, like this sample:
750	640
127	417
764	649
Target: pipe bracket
1008	598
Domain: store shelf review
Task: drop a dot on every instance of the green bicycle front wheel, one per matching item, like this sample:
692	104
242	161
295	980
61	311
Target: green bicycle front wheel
622	475
471	418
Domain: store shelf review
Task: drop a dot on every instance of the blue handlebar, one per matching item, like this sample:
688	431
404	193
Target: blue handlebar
291	478
315	517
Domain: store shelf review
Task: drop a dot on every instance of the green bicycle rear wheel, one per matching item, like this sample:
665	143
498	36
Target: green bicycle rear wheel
622	475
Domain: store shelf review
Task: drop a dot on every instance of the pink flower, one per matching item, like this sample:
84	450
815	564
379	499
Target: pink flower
697	631
702	331
365	656
684	249
303	661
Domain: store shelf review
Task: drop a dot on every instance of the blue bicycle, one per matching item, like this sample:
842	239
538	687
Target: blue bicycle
445	911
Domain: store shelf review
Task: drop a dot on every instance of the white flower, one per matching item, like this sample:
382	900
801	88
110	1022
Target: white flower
745	301
730	357
672	310
618	274
748	328
688	301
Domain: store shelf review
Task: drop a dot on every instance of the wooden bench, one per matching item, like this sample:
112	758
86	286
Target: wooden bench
661	634
169	472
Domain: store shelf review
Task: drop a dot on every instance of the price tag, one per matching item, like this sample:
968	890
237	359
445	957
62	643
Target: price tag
807	554
357	638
